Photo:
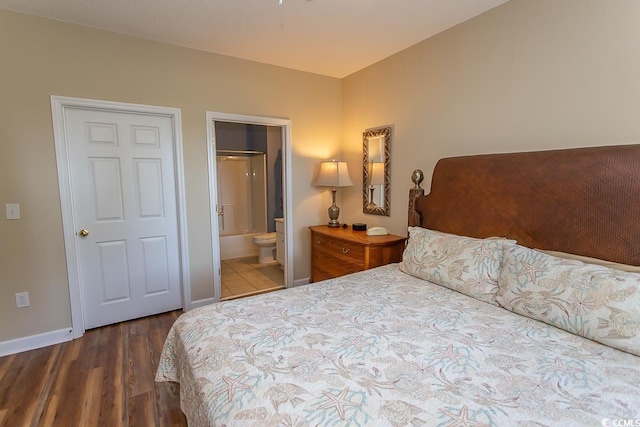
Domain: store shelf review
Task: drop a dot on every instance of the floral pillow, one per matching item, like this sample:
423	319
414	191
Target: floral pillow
464	264
592	301
589	260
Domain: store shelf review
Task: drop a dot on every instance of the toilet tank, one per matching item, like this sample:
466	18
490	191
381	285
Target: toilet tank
280	240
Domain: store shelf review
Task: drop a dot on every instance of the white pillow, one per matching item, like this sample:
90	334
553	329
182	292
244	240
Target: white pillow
465	264
592	301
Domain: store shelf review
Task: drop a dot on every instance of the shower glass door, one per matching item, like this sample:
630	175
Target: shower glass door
241	194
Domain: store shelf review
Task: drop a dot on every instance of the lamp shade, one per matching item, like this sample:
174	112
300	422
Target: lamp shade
333	174
376	173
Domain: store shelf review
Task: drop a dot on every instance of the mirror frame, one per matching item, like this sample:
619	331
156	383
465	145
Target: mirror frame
367	207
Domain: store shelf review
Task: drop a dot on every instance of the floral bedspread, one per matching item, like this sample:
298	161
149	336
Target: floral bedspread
384	348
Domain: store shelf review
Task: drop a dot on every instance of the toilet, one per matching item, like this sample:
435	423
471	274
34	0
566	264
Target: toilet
266	247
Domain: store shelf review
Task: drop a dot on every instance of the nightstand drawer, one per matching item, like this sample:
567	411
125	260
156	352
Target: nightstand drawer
339	248
330	258
330	267
319	241
347	250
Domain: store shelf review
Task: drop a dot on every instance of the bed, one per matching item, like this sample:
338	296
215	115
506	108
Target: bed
517	302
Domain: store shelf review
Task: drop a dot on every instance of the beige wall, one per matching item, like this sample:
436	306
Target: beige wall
527	75
40	57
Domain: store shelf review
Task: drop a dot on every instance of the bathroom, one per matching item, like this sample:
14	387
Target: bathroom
250	207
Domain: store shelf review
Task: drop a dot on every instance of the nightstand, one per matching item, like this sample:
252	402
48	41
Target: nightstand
339	251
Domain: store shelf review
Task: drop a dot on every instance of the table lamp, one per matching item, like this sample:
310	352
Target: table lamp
333	174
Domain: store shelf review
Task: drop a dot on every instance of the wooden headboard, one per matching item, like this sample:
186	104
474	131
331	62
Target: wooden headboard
584	201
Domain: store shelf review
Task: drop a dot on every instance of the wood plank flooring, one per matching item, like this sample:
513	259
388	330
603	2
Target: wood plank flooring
105	378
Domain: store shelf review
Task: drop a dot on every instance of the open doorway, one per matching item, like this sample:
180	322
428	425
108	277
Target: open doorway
249	184
250	205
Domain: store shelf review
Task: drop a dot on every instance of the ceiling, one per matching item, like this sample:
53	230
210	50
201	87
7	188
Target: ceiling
329	37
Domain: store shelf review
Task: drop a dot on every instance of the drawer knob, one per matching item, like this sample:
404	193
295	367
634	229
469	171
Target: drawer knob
345	250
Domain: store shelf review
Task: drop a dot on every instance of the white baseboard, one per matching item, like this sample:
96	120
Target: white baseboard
32	342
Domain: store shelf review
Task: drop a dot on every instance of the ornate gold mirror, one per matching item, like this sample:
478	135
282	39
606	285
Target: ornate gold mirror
376	174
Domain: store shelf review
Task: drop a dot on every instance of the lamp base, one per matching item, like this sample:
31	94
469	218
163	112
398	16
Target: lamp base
371	205
334	211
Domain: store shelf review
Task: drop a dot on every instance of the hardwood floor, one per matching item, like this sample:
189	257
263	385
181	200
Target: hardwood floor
105	378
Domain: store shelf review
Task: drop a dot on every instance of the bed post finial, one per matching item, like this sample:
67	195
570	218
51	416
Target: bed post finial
414	217
417	176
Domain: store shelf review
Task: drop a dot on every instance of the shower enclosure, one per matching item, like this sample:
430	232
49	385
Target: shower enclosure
242	201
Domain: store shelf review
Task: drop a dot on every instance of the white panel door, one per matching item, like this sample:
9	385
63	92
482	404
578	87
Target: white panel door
124	206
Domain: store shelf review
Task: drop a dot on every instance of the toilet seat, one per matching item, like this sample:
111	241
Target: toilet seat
266	237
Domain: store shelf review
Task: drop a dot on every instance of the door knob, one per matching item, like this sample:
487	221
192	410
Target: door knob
83	233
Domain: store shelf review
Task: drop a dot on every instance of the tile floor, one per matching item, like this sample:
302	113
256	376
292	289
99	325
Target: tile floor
244	276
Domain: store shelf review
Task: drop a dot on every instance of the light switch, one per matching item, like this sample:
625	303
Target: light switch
13	210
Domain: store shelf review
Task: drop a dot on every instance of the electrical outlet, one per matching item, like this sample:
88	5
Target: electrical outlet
12	211
22	299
